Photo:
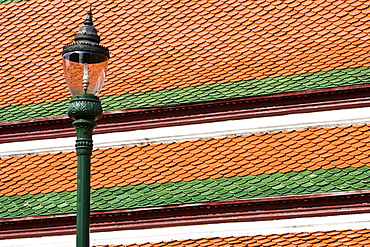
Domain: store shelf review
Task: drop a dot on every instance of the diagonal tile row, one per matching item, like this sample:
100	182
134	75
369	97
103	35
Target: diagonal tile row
189	192
357	237
263	154
172	44
202	93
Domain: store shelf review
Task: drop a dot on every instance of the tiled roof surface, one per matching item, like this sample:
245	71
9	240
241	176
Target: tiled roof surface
282	84
266	165
314	239
183	46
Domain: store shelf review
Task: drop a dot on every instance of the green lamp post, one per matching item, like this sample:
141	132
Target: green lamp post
85	64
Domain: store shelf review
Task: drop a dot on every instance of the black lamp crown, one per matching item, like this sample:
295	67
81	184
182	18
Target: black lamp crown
85	61
87	39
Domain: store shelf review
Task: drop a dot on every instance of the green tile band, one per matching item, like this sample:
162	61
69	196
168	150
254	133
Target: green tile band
10	1
196	191
203	93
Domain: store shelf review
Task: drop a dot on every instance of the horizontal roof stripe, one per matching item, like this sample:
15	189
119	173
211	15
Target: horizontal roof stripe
202	93
181	133
214	231
284	152
346	237
190	192
158	48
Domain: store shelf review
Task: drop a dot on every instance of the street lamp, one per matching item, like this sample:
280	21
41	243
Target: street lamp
85	65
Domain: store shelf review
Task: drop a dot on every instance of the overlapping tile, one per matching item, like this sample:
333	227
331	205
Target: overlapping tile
257	154
202	93
266	165
186	192
356	237
173	45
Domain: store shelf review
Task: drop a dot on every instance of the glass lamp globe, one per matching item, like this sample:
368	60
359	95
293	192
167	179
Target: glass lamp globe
85	61
84	71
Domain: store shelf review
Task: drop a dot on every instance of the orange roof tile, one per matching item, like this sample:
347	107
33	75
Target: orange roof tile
160	163
174	44
325	238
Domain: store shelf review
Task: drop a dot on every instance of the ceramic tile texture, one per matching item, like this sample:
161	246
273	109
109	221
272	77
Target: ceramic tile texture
202	93
174	52
325	238
166	47
267	165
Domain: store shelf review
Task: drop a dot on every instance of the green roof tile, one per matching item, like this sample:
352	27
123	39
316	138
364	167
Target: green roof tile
202	93
9	1
196	191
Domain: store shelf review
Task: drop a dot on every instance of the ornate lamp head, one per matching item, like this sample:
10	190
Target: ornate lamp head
85	61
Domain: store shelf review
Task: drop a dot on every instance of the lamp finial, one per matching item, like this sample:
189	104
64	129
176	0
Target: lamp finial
89	20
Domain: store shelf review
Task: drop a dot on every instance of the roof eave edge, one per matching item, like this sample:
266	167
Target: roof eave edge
212	111
257	209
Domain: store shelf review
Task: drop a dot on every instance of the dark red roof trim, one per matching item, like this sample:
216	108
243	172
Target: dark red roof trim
203	213
272	105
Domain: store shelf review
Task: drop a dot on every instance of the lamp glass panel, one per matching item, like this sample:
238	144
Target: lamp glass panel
80	67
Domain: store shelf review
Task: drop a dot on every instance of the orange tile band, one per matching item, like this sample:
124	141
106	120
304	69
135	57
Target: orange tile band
179	44
324	238
283	152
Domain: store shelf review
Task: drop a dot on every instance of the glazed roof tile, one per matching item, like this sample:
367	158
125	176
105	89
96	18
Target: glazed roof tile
201	93
182	52
357	237
230	168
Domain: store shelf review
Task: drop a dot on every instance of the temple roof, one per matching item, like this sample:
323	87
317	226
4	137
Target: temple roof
173	53
169	53
312	161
